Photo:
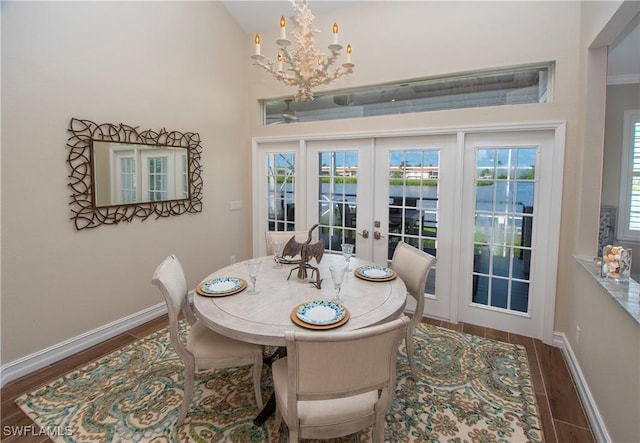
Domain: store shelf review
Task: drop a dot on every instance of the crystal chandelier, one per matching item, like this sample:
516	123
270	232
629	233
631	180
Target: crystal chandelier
306	66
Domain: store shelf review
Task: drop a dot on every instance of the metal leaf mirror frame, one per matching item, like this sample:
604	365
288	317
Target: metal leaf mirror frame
86	213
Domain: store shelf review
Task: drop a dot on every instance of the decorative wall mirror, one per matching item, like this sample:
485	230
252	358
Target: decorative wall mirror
119	173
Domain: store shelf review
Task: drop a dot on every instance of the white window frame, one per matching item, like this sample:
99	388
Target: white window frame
631	119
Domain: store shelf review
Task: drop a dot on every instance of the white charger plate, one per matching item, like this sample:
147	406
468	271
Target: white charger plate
320	312
372	272
222	286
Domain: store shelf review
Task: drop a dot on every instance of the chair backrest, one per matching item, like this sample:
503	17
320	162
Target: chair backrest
169	277
335	364
412	265
285	236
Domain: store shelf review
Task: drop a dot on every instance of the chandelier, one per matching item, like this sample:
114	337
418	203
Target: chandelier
304	66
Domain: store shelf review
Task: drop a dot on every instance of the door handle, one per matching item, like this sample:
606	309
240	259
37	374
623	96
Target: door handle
377	235
365	233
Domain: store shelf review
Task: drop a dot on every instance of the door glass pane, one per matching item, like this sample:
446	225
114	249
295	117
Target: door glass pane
413	202
127	180
337	202
158	178
280	193
504	217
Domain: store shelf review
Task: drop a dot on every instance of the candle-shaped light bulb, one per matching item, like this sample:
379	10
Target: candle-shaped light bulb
335	33
279	61
320	60
348	53
283	32
257	42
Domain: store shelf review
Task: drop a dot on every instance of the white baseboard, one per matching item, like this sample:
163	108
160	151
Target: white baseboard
591	409
40	359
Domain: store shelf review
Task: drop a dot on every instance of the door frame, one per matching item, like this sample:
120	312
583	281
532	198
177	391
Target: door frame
542	238
555	175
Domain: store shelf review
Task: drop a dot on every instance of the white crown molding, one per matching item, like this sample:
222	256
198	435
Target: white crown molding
625	79
37	360
591	409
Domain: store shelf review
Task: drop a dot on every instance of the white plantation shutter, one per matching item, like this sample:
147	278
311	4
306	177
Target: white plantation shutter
634	210
629	222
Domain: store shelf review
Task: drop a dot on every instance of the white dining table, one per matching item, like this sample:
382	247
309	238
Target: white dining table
265	317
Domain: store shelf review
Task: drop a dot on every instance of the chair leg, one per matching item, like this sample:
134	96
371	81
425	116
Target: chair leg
378	430
257	376
278	418
188	393
409	345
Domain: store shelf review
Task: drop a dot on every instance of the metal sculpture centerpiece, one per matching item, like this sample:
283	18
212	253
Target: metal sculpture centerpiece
307	251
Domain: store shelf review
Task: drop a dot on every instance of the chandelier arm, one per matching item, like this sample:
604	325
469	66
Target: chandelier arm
332	58
266	66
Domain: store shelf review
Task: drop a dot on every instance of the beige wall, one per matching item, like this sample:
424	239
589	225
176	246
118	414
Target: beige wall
608	355
182	66
155	65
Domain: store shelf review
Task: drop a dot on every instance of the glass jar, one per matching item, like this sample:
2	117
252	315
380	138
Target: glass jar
616	263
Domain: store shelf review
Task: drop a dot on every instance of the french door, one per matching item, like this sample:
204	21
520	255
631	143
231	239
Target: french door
508	230
481	203
376	192
414	202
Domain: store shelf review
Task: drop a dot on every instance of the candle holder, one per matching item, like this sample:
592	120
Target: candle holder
616	263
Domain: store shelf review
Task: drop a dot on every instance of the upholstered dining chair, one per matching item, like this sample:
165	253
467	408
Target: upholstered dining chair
284	236
204	349
333	383
412	265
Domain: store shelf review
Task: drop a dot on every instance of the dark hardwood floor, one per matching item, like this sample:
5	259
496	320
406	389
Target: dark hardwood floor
562	414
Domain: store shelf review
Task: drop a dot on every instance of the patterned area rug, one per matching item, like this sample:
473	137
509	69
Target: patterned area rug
471	389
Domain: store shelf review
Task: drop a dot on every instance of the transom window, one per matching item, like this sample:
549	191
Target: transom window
526	84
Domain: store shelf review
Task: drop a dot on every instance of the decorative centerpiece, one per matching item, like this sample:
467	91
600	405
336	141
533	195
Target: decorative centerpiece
307	251
616	262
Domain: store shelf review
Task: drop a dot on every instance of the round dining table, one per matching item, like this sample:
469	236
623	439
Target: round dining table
264	318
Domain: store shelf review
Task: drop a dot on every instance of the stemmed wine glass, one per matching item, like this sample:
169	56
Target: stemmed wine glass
347	252
337	275
276	245
253	266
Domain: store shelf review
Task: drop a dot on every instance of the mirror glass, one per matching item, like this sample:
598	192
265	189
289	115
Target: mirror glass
126	173
119	173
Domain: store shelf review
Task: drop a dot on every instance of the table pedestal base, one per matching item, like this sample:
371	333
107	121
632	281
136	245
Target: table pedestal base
270	406
268	410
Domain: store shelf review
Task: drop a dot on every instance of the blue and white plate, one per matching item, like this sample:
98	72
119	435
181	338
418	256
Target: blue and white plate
223	285
320	312
373	272
288	260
